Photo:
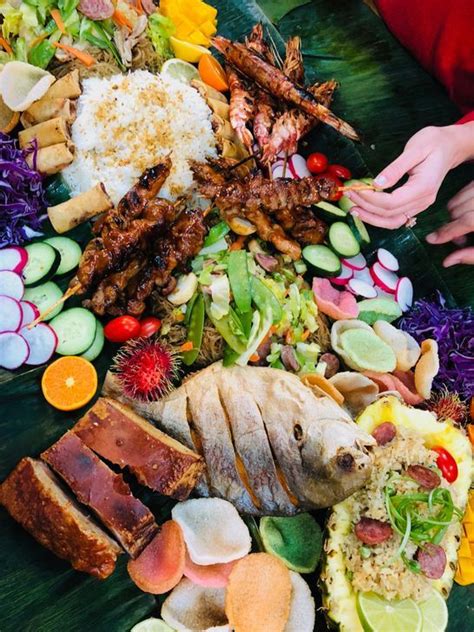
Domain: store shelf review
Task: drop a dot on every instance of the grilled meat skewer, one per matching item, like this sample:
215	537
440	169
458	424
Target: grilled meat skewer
277	83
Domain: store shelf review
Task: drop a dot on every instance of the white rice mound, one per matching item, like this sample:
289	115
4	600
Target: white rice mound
126	123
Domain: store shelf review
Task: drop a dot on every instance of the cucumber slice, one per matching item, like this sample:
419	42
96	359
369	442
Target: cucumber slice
367	352
43	296
70	252
360	231
330	212
75	329
43	262
323	260
342	240
97	345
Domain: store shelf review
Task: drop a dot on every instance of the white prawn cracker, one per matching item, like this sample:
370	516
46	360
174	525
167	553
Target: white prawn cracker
405	347
22	84
194	608
213	530
302	609
427	368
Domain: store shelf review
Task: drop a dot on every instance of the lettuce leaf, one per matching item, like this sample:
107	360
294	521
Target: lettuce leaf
159	30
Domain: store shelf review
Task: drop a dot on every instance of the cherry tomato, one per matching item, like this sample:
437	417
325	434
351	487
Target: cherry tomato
339	171
446	464
317	162
149	326
337	195
122	328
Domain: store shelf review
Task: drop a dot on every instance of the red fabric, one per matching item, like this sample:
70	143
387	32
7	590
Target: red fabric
440	35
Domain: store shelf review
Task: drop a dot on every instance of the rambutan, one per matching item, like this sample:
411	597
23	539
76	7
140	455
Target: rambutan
145	369
448	405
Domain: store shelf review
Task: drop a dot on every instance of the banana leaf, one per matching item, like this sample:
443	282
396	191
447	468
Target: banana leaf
387	96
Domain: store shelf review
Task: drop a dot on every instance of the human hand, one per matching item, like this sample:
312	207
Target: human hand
461	209
426	159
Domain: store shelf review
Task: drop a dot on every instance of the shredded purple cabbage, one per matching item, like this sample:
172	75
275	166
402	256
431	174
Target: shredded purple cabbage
453	330
22	198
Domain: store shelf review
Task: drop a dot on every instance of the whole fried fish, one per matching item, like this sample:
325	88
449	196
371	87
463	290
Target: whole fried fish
271	446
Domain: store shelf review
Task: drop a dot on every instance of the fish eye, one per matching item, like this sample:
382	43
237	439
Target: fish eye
297	432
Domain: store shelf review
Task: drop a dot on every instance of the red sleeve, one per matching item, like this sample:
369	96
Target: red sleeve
440	35
467	118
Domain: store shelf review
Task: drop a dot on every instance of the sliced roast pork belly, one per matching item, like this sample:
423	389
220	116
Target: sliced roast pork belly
94	484
119	435
33	496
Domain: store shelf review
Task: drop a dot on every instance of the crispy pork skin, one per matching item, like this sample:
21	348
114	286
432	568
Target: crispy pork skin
33	497
119	435
105	492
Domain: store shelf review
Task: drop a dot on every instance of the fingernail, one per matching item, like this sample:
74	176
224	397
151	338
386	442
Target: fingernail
354	211
432	238
348	194
380	181
452	262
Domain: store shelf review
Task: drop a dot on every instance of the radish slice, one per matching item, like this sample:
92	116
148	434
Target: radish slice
11	314
14	350
297	166
42	341
384	278
11	284
280	170
30	312
387	260
356	263
404	293
361	288
344	277
14	259
382	294
364	275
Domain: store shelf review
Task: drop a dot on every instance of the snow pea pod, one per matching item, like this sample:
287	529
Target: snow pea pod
225	328
216	233
195	330
264	298
239	280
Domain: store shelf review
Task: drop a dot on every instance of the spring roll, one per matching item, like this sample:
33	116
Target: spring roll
47	133
79	209
52	159
68	87
46	109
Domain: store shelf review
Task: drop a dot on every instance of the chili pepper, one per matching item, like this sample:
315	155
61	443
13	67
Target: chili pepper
446	463
195	331
239	279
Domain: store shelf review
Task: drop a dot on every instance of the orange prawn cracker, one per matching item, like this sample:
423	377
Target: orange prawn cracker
160	566
258	594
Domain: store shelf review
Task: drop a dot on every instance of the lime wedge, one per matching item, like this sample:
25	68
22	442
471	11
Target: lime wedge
180	70
434	612
380	615
152	625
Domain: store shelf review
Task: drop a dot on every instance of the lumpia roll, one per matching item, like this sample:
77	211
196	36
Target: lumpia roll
67	87
52	159
46	109
47	133
79	209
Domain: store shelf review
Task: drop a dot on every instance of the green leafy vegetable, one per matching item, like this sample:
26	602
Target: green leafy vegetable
160	29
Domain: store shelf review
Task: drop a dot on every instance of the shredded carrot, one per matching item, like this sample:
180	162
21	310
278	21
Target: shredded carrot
5	45
254	357
139	7
272	330
38	39
82	56
238	244
121	19
56	15
305	335
187	346
179	317
470	432
289	336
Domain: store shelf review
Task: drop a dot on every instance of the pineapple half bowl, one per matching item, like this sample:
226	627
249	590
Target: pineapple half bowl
340	600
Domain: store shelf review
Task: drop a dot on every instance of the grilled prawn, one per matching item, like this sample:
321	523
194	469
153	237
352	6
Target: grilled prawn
293	66
241	108
278	84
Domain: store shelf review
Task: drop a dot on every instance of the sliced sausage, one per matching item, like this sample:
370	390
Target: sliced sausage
288	357
424	476
96	9
371	531
432	560
267	262
332	364
384	433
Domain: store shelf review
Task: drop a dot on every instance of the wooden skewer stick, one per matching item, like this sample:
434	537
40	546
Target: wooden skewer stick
67	294
359	187
207	210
